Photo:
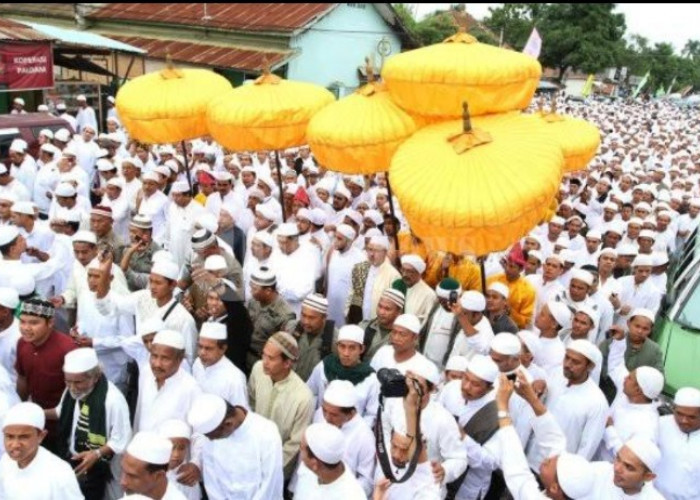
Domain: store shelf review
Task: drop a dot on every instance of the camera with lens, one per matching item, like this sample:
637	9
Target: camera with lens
392	384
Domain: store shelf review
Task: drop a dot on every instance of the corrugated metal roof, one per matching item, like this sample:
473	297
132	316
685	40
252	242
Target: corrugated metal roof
206	54
14	31
284	17
84	38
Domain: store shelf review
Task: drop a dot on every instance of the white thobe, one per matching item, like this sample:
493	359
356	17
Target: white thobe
70	119
156	207
45	182
173	493
179	230
420	486
246	465
120	214
40	237
685	223
84	117
86	155
367	392
482	460
644	296
296	276
172	401
131	190
232	203
581	411
420	299
346	487
384	358
189	492
17	189
602	476
439	331
8	348
40	271
25	172
47	477
77	283
250	265
224	379
543	291
143	306
550	355
339	277
679	469
479	343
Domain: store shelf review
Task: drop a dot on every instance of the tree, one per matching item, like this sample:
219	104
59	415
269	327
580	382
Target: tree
587	37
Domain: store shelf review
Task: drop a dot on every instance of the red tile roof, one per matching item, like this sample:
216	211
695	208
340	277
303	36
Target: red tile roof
284	17
205	54
14	31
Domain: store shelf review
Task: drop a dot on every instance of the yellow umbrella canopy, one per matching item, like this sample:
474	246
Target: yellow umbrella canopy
360	133
578	139
271	113
476	190
433	81
169	105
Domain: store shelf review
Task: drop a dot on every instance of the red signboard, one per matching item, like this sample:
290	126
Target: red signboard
26	66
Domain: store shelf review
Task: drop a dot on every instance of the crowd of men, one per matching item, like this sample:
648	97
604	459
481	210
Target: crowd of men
188	323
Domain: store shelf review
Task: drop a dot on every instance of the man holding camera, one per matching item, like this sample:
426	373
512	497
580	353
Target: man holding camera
402	352
441	326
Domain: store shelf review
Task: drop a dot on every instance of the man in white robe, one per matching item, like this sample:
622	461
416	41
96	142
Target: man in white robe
183	214
340	261
242	454
296	268
420	298
151	201
9	330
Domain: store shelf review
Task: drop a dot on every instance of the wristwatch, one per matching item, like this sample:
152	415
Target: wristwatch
503	414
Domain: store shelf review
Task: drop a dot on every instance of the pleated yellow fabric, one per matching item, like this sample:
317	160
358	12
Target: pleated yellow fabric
433	81
169	105
578	139
485	198
360	133
271	113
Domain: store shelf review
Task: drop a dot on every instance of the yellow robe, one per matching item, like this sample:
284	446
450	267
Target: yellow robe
521	299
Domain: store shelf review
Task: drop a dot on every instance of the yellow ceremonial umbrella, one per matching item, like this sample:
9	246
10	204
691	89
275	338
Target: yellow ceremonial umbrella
433	81
359	134
476	190
578	138
271	113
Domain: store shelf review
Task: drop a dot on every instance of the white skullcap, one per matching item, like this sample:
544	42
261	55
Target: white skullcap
18	100
174	428
161	255
81	97
116	182
473	301
318	217
562	314
18	146
84	237
688	397
646	451
206	413
585	348
167	269
646	313
265	238
457	364
608	251
647	233
180	187
303	214
562	241
659	258
151	325
80	360
341	393
581	275
170	338
163	170
346	231
343	191
215	263
590	312
506	344
483	367
594	234
351	333
27	413
568	256
627	249
536	254
213	330
557	220
104	165
65	189
650	381
354	216
7	195
23	207
151	448
414	261
427	369
62	134
531	341
288	229
374	216
223	176
150	176
642	260
380	241
326	442
372	232
408	321
9	297
499	288
574	475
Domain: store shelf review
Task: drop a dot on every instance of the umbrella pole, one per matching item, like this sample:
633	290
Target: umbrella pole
279	179
483	274
187	167
393	214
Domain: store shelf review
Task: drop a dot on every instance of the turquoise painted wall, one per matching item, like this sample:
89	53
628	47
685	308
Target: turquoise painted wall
333	48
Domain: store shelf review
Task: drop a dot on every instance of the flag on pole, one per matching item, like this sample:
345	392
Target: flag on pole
533	45
588	87
640	86
670	87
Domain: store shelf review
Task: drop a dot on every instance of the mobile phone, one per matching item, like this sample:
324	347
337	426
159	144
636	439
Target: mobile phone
453	297
512	377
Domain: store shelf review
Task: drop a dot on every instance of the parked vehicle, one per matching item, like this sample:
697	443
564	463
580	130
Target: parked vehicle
27	126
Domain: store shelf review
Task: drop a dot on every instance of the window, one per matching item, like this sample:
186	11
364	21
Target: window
689	317
6	139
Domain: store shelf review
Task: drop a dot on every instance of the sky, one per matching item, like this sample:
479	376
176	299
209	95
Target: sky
670	22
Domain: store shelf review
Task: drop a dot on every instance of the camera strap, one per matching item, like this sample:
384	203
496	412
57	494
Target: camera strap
382	454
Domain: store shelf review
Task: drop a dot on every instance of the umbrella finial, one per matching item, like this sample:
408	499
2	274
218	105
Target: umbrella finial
369	69
553	104
170	71
469	138
466	119
540	105
267	76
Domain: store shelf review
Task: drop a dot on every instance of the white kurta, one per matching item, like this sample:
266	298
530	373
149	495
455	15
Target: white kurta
678	472
8	348
644	296
45	182
439	331
543	291
172	401
180	228
247	465
86	116
479	343
47	477
420	299
296	276
224	379
550	355
156	207
384	358
340	281
120	214
25	172
346	487
17	189
602	476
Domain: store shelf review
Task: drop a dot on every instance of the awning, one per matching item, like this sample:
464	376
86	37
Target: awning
242	58
80	64
82	38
